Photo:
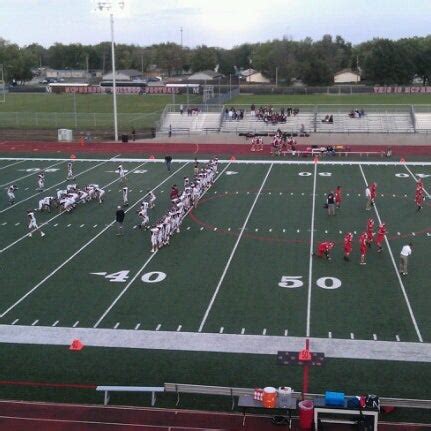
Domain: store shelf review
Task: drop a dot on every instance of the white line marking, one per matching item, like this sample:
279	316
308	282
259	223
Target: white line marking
35	322
12	164
137	326
375	337
15	321
76	324
150	258
179	328
201	228
69	225
17	224
95	225
286	332
4	223
352	336
264	331
329	334
188	228
215	229
158	327
56	323
310	267
228	229
242	331
55	225
83	224
26	188
284	230
233	252
221	330
116	325
397	337
406	298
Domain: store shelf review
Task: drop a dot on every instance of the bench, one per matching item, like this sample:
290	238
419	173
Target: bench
179	388
108	389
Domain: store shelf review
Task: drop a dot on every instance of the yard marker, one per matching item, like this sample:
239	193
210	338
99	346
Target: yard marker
403	289
329	334
375	337
15	321
242	331
137	326
286	332
310	266
56	224
352	336
76	324
17	224
221	330
397	337
35	322
264	331
179	328
116	325
55	323
158	327
83	224
233	250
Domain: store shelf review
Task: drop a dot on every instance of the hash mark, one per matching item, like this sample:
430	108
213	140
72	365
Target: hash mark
109	190
248	193
397	337
221	330
228	229
352	335
398	233
17	224
201	228
326	231
242	331
264	331
69	225
55	323
188	228
158	326
116	325
286	332
284	230
215	192
15	321
138	325
297	230
83	224
95	225
35	322
179	328
162	191
375	337
26	189
4	223
56	224
215	229
413	234
270	230
76	324
329	334
281	193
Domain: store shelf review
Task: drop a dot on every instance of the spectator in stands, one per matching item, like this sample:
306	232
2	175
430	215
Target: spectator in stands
330	150
181	109
388	152
133	135
302	129
331	119
326	119
362	112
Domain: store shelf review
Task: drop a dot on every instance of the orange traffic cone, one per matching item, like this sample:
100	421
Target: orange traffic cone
76	345
151	157
233	158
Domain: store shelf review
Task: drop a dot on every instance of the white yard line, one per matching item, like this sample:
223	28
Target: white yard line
403	289
416	179
12	164
204	319
126	288
51	187
29	175
60	214
81	249
310	266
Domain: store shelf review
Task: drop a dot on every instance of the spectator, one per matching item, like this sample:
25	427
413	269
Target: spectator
133	135
119	217
168	161
181	109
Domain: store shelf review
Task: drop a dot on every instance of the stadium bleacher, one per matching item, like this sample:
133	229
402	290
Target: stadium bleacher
423	121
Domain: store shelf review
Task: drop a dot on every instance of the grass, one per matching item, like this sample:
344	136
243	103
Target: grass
274	243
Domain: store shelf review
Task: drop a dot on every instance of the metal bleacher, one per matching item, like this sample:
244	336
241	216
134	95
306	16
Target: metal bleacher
423	122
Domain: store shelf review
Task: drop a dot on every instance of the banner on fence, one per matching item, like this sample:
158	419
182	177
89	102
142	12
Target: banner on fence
405	90
94	89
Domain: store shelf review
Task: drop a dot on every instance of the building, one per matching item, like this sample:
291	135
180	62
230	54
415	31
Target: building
125	75
347	76
252	76
205	75
72	74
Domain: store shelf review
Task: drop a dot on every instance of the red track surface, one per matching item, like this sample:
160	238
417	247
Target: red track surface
23	416
147	149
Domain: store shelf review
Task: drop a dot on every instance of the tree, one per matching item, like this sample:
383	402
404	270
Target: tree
203	58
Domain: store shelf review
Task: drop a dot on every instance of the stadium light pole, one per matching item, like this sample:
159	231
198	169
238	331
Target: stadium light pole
108	6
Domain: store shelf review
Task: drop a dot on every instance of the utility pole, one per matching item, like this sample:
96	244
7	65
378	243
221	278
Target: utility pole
87	61
181	37
276	77
142	63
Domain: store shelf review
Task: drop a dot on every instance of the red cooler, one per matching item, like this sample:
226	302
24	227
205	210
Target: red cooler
306	411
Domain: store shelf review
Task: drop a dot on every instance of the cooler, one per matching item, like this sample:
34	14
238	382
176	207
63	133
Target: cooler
306	412
269	399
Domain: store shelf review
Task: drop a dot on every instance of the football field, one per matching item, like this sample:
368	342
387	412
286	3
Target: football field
242	263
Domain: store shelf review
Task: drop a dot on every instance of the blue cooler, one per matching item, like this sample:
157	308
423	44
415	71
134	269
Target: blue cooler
334	399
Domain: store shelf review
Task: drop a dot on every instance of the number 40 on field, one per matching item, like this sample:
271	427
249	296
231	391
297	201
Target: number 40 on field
123	276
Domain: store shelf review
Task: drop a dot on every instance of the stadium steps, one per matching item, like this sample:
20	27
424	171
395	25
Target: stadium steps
196	123
423	121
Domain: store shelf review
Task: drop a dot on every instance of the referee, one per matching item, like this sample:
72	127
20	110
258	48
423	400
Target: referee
330	201
119	218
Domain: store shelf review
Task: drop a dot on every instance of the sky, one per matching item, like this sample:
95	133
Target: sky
223	23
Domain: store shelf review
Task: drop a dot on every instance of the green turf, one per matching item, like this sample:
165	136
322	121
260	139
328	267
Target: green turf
275	243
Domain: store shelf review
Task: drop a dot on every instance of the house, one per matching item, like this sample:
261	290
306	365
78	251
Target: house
205	75
124	75
347	76
252	76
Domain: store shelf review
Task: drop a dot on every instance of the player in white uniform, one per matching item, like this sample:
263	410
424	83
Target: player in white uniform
186	182
143	218
45	204
70	171
125	196
41	181
121	173
151	199
100	193
154	236
61	194
71	187
11	193
32	224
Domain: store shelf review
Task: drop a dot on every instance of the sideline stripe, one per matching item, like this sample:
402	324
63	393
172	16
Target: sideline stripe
80	249
406	298
204	319
59	214
145	264
12	164
29	175
310	266
49	188
414	176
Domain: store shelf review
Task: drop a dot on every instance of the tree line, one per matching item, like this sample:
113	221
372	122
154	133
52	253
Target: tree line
381	61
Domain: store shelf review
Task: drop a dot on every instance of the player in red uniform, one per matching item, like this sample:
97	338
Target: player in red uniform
363	247
174	193
348	245
419	198
370	231
373	191
338	196
323	249
381	232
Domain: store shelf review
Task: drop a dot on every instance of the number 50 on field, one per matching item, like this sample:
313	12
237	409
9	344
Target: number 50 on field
295	281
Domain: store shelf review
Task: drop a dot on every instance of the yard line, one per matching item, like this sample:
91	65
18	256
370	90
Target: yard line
58	215
416	179
406	298
310	267
12	164
28	175
233	251
49	188
82	248
148	260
